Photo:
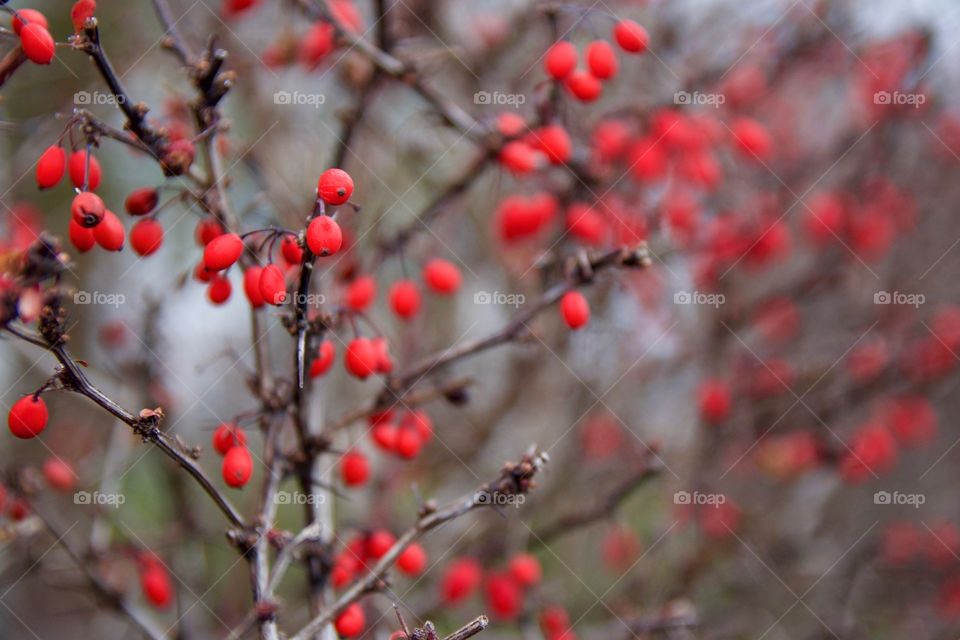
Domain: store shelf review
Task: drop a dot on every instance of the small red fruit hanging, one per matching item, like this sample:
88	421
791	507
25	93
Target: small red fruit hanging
237	466
574	309
28	417
51	166
335	187
324	236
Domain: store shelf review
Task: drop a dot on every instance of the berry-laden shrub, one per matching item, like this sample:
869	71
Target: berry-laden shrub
427	319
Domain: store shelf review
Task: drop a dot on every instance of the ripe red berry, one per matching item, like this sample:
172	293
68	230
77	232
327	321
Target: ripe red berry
316	44
412	560
87	209
378	543
555	623
251	286
360	292
560	59
207	230
405	299
78	170
37	43
219	289
109	233
291	250
326	354
273	286
586	224
50	167
324	236
409	443
28	16
601	60
351	622
520	158
335	186
156	585
504	597
81	237
525	569
420	422
631	37
575	309
384	435
461	578
442	276
146	236
510	124
751	138
228	436
237	467
382	349
28	417
222	252
554	141
354	469
584	86
81	10
59	475
715	403
361	358
141	201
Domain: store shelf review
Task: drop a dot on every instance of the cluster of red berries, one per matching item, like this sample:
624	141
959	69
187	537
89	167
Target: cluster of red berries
58	475
560	61
440	276
934	546
230	441
404	437
35	40
504	590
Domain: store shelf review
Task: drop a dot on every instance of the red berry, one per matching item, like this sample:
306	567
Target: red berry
378	543
28	417
28	16
555	621
59	475
354	469
405	299
554	141
409	443
316	44
361	358
146	236
228	436
291	250
81	10
510	124
520	158
78	170
110	232
385	435
584	86
200	273
156	585
382	349
251	286
525	569
412	560
237	466
631	37
575	309
324	236
141	201
81	237
461	578
324	360
51	166
273	286
601	60
560	60
351	622
37	43
715	403
219	289
504	597
360	292
751	138
207	230
420	422
335	186
222	252
442	276
87	209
